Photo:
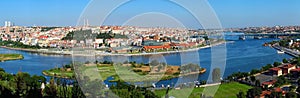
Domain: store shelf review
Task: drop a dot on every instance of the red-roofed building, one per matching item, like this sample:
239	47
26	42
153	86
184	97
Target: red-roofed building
277	89
269	83
43	37
151	48
265	93
287	68
276	71
295	72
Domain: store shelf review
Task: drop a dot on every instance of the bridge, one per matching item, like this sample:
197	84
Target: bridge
255	35
251	35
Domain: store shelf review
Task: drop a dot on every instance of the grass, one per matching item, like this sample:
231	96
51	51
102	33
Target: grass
58	72
118	72
227	90
7	57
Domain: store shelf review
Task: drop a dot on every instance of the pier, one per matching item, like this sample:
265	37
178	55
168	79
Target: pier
287	51
261	35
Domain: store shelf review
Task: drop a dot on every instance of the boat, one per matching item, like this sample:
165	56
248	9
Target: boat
242	38
257	37
280	52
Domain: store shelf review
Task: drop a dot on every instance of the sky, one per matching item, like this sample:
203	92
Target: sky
230	13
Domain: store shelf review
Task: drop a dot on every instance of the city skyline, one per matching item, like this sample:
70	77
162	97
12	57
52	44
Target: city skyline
231	13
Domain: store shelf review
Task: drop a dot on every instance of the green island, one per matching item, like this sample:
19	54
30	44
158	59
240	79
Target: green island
8	57
225	90
128	71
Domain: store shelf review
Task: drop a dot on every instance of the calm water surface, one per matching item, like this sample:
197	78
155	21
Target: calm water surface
241	56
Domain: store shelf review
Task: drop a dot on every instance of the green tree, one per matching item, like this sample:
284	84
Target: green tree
298	89
291	95
252	78
253	92
276	64
257	83
285	61
51	90
241	94
22	81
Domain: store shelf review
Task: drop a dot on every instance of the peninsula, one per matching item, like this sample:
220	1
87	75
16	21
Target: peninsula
8	57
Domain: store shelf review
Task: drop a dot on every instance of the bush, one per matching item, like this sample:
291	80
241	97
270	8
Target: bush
137	70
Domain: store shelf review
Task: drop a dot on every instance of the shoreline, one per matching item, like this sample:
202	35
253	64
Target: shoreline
69	53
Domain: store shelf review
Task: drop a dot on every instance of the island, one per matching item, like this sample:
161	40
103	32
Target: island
8	57
127	71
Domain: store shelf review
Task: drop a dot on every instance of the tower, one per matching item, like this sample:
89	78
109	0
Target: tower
6	24
85	22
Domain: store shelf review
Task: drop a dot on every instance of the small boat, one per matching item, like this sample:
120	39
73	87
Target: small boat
257	37
242	38
280	52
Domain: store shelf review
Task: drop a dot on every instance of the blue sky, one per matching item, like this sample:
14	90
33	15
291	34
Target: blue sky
231	13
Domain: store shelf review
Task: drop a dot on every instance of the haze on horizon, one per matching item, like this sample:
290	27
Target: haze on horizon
231	13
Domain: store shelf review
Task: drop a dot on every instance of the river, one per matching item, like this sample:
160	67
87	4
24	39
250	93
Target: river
241	56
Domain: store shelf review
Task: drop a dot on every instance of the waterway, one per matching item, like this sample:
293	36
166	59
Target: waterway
241	55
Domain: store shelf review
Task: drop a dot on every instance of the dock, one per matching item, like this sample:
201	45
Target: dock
287	51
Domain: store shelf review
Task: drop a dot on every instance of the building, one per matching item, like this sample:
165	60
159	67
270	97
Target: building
276	71
295	72
287	68
265	93
154	48
268	83
8	24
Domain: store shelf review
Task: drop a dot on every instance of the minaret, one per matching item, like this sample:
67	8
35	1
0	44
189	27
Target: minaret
87	22
83	22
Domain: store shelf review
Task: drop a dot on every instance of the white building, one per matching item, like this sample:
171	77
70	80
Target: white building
8	24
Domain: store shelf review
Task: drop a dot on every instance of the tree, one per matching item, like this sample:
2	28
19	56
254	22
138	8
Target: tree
252	78
216	75
298	82
241	94
257	83
22	81
2	70
276	95
292	88
285	61
51	90
253	92
276	64
291	95
254	71
298	89
76	91
267	67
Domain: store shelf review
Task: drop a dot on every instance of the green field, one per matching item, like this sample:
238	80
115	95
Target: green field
57	72
7	57
118	72
228	90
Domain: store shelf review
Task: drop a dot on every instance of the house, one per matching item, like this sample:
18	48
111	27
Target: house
295	72
153	48
276	71
287	68
268	83
265	93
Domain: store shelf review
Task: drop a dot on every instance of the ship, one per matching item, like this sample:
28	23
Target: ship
280	52
242	38
257	37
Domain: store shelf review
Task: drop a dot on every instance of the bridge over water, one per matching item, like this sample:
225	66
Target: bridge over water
266	35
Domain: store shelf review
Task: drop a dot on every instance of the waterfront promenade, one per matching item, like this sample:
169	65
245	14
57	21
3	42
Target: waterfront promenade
82	52
287	51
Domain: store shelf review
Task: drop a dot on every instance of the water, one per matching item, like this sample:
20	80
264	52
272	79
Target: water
242	56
